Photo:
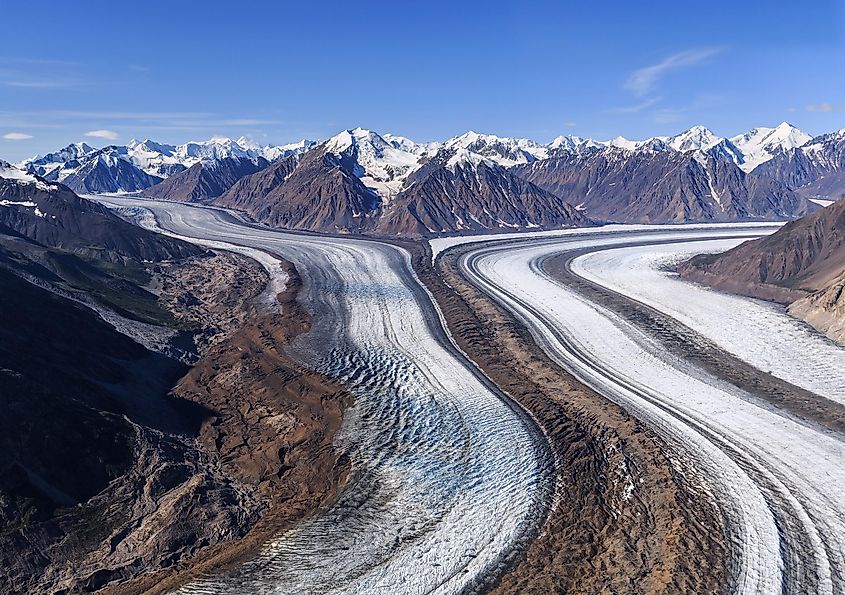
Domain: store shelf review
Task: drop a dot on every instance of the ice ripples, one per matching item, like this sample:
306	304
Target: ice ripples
449	480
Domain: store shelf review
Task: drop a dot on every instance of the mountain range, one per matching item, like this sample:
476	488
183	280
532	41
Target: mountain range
360	181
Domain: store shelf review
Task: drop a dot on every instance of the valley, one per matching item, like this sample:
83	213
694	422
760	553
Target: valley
390	298
387	366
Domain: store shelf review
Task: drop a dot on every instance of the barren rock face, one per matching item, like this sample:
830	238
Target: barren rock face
112	478
661	187
802	264
824	310
319	193
205	180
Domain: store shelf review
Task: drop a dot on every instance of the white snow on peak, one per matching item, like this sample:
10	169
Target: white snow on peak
574	143
591	144
380	164
405	144
274	152
503	150
15	174
55	161
621	142
759	145
568	142
216	148
10	172
461	157
697	138
655	143
154	158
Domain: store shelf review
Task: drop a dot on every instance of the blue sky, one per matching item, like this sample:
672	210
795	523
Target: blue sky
280	71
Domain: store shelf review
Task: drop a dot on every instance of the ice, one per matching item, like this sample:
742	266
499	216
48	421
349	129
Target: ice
760	333
449	478
778	481
438	245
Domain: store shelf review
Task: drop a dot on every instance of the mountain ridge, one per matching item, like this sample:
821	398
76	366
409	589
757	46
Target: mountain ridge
695	175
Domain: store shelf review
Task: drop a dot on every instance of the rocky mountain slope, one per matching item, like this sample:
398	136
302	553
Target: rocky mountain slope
120	463
802	264
51	215
206	179
815	170
320	192
659	186
360	182
458	192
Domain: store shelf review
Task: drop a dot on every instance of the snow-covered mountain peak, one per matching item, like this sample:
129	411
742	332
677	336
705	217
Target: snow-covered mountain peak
17	175
405	144
352	138
461	157
759	145
503	150
248	143
620	142
655	145
274	152
68	153
380	165
215	148
697	138
566	142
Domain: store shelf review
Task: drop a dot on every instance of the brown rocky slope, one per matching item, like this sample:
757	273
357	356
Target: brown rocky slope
663	539
116	480
801	264
119	461
661	187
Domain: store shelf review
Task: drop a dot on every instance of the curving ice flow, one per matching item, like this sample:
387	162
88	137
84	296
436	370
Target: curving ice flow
449	479
743	327
779	483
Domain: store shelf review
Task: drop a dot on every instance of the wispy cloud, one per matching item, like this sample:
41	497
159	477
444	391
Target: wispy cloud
569	123
825	107
174	121
643	105
114	115
39	61
17	136
44	84
107	134
643	80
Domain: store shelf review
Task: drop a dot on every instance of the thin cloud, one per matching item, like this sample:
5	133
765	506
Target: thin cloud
108	115
166	119
824	107
569	124
643	80
17	136
38	84
643	105
41	61
107	134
